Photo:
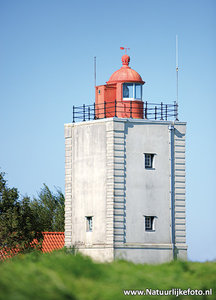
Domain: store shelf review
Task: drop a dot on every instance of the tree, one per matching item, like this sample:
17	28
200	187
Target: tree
18	224
49	209
23	221
28	226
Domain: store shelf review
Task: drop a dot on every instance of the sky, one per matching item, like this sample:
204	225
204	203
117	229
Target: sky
47	50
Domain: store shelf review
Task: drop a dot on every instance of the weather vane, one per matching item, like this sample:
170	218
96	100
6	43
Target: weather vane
124	48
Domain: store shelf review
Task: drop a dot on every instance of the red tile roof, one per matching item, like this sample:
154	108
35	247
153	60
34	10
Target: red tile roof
51	241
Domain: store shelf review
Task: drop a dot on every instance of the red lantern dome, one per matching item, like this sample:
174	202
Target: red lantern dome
122	95
125	74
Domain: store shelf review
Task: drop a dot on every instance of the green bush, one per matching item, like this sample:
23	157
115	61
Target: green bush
61	275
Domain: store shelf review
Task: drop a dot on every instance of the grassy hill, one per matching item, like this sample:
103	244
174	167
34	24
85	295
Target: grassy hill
61	275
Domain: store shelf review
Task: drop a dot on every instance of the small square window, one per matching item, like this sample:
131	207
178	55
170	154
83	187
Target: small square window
149	160
88	223
149	223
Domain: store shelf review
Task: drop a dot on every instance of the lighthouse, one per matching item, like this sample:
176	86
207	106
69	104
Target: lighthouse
125	175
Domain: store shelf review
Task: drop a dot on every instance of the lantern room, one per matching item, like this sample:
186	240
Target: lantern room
121	96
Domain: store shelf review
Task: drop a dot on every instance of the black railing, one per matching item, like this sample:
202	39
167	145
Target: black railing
149	111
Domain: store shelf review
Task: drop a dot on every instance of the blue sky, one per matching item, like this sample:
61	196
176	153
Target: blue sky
46	66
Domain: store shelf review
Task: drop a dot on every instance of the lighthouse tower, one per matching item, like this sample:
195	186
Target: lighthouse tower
125	175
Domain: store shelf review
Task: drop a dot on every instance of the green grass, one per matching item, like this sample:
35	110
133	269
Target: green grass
61	275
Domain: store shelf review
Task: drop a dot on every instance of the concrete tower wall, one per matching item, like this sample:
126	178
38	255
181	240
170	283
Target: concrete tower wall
89	190
158	191
106	179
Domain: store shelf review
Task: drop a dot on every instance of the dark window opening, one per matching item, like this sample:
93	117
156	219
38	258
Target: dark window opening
149	223
149	160
89	224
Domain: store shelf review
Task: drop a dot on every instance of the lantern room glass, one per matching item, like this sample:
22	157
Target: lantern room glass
132	91
127	90
138	91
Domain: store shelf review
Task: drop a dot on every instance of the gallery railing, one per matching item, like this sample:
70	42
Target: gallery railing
148	111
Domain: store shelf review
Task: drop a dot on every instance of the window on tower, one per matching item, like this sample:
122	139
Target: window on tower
132	91
149	160
149	223
89	224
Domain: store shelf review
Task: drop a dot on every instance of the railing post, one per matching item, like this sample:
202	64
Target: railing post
89	113
155	112
115	108
166	113
104	109
131	115
146	110
94	112
73	114
161	110
83	112
176	110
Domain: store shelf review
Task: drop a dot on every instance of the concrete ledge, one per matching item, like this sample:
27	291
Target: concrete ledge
150	256
105	254
147	246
